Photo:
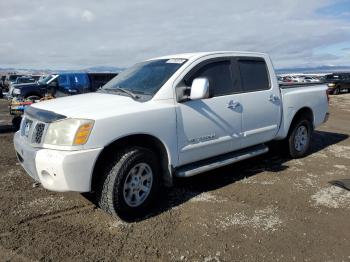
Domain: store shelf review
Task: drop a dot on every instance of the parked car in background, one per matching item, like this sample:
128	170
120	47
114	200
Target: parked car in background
280	79
53	86
310	79
173	116
61	84
10	79
338	82
298	79
2	85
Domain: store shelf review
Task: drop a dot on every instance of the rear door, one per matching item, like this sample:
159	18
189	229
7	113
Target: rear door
260	101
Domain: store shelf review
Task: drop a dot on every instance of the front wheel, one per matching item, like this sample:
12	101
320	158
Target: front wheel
129	183
299	138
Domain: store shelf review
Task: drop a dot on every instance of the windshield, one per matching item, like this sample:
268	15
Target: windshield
21	80
13	77
45	79
145	78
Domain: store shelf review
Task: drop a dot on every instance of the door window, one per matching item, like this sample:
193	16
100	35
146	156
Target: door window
219	75
254	75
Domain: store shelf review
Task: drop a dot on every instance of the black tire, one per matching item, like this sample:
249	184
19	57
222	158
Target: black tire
16	122
299	146
110	190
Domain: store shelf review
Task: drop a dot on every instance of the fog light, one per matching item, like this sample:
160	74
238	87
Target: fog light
46	177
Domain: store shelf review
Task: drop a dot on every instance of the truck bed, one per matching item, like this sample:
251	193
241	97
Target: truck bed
296	97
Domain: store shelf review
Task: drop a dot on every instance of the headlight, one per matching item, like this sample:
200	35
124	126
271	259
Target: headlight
331	85
69	132
16	91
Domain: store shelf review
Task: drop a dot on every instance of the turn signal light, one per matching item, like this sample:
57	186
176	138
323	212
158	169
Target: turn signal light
82	134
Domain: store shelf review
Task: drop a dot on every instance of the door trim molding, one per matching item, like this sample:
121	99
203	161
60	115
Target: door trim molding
259	130
206	143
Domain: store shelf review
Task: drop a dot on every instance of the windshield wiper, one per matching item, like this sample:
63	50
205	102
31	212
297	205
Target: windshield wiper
126	91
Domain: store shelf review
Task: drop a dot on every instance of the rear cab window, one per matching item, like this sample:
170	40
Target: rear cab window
254	74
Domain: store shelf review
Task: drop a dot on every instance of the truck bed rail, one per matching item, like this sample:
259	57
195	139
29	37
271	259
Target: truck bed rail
294	85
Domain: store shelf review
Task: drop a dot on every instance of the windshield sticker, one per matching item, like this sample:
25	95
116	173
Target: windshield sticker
176	61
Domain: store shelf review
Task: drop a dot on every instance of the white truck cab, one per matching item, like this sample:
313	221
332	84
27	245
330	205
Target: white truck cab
176	115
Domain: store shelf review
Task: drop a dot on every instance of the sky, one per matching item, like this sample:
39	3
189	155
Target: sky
77	34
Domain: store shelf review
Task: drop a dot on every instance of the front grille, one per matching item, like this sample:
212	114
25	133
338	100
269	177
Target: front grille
26	127
38	133
32	130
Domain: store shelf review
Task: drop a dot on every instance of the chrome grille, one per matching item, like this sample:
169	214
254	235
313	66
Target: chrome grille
27	125
32	130
38	133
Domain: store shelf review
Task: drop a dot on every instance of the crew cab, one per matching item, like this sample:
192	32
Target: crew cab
173	116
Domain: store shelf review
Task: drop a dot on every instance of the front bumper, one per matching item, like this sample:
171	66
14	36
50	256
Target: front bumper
57	170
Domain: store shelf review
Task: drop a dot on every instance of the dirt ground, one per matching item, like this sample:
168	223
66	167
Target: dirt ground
265	209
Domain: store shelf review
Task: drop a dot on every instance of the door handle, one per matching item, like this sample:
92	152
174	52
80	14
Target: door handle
273	98
233	105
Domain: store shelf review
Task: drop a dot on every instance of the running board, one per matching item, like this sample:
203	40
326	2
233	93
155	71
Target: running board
219	161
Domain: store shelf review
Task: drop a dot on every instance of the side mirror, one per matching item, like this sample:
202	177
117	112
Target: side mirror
199	89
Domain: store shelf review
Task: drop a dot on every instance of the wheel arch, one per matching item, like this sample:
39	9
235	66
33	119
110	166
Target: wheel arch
142	140
304	112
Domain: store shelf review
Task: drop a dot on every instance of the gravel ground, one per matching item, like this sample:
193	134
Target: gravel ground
264	209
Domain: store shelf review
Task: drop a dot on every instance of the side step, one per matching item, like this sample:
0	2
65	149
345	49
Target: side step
219	161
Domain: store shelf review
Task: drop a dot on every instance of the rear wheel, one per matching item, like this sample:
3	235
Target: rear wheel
129	183
299	138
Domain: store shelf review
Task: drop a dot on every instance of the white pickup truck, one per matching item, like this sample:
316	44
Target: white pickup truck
173	116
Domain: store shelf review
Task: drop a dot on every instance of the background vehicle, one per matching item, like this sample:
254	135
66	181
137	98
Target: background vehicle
171	116
338	82
20	80
62	84
310	79
2	85
10	79
53	86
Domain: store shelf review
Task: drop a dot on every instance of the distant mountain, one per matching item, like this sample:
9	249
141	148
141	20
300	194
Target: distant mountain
318	69
113	69
104	69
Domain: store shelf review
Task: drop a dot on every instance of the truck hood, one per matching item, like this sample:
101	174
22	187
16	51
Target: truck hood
92	105
20	86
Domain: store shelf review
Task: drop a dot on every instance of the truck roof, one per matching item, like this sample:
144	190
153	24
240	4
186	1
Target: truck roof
197	55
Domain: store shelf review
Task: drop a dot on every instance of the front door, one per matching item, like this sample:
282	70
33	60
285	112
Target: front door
212	126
